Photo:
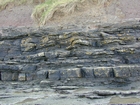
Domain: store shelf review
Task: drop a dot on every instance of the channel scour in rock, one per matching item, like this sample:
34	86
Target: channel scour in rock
49	53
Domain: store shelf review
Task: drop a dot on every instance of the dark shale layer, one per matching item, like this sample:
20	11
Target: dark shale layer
112	52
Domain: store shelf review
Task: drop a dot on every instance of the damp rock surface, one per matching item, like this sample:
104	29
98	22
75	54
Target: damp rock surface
31	93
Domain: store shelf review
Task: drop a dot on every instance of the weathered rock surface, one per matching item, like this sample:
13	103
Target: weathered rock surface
111	51
30	93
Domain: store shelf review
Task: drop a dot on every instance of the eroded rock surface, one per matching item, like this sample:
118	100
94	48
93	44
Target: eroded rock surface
110	51
30	93
70	66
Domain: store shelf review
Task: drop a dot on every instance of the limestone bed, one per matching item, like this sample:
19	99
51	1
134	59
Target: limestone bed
108	52
70	64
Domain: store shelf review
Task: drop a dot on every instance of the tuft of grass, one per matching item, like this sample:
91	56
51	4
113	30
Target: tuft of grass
45	9
42	11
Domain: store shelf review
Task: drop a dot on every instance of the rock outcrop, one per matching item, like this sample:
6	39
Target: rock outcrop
111	51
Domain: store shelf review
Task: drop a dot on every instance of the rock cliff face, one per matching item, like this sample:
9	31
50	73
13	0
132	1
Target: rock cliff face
111	51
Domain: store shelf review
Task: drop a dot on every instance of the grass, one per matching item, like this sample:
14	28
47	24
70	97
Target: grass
44	10
41	11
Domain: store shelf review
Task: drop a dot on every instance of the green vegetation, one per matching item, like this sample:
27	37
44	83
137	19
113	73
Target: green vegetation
41	11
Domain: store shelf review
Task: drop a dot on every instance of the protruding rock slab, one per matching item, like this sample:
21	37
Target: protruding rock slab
66	87
126	71
9	76
87	72
22	77
45	83
42	74
103	72
71	73
54	75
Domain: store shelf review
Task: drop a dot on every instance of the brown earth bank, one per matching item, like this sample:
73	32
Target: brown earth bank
111	11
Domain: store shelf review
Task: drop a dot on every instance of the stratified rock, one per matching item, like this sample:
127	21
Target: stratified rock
122	71
6	76
87	72
54	74
94	97
28	44
106	92
65	87
15	76
103	72
29	68
22	77
45	83
42	74
71	73
110	52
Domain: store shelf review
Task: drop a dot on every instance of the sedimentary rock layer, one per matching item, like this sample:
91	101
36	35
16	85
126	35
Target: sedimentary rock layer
111	51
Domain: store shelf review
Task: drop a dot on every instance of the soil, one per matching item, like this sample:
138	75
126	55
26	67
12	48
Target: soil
117	11
17	16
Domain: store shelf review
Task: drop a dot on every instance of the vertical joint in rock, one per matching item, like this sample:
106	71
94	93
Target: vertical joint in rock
0	75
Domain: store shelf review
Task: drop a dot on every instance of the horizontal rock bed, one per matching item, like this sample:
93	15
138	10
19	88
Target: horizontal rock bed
111	51
85	72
